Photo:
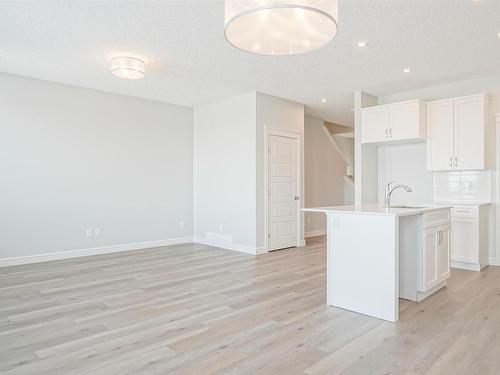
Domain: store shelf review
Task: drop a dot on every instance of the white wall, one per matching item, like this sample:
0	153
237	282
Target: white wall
365	156
324	174
281	114
405	164
224	173
73	158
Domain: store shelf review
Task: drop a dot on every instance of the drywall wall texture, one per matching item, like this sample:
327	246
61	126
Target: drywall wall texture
324	174
224	173
83	169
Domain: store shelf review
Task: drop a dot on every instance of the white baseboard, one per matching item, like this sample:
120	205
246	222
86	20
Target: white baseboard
314	233
494	262
92	251
230	246
465	266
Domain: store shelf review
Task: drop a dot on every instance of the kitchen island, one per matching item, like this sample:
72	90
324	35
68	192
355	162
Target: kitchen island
376	255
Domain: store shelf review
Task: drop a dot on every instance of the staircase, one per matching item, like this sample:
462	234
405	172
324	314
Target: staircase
342	138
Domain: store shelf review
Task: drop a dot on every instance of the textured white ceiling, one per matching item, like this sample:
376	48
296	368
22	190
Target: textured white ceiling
191	63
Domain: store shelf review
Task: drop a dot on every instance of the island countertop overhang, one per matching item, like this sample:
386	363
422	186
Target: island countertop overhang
374	209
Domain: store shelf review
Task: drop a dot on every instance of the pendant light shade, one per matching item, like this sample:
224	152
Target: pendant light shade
280	27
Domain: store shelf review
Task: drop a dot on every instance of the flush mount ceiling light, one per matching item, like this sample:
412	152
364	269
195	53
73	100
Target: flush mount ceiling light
128	67
362	44
407	70
324	100
280	27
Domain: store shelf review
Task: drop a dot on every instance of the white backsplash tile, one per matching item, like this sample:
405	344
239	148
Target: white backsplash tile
465	186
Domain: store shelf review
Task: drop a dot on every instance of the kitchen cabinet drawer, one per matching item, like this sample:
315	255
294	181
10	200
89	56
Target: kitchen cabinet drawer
465	211
435	218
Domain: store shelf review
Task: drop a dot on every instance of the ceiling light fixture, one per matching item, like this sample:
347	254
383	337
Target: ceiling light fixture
128	67
406	70
362	44
280	27
324	100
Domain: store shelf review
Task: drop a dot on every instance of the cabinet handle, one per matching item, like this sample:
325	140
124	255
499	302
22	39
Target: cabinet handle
390	132
386	130
456	161
451	161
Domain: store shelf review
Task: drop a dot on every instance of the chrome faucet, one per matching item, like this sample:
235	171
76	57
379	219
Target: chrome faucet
391	186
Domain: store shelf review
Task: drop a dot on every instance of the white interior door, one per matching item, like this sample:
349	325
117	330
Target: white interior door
282	179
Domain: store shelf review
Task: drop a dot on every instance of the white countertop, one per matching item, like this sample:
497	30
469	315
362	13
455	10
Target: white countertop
375	209
456	203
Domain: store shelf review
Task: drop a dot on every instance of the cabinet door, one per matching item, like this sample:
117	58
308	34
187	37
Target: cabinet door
440	135
443	263
469	118
404	121
464	240
430	259
374	124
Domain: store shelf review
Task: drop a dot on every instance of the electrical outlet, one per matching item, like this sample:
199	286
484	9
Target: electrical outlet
88	232
97	232
181	224
221	228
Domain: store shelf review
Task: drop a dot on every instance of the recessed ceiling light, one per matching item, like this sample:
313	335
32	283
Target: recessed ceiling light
362	44
128	67
406	70
498	35
324	100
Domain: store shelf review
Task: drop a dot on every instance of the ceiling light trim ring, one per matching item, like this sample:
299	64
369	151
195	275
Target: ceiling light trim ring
135	70
279	6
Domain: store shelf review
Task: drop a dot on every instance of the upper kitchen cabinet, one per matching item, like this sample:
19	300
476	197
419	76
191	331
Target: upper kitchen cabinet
457	133
397	122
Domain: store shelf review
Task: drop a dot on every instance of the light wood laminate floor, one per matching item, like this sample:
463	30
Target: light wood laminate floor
193	309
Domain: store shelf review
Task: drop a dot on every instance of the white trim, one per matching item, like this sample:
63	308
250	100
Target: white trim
230	246
92	251
423	295
314	233
300	179
494	261
465	266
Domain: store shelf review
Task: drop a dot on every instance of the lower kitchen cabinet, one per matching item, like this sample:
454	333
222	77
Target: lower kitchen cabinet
436	256
424	256
469	241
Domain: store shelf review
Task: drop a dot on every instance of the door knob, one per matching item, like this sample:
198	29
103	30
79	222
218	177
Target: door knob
297	198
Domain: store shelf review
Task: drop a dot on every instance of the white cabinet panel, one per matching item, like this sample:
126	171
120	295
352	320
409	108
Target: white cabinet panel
464	240
374	124
440	135
406	121
430	256
469	120
443	262
436	256
456	133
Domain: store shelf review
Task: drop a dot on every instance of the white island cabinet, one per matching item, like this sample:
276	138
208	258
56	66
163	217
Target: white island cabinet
376	256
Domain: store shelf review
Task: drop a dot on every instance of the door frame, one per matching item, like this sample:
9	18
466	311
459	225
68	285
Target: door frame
299	239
